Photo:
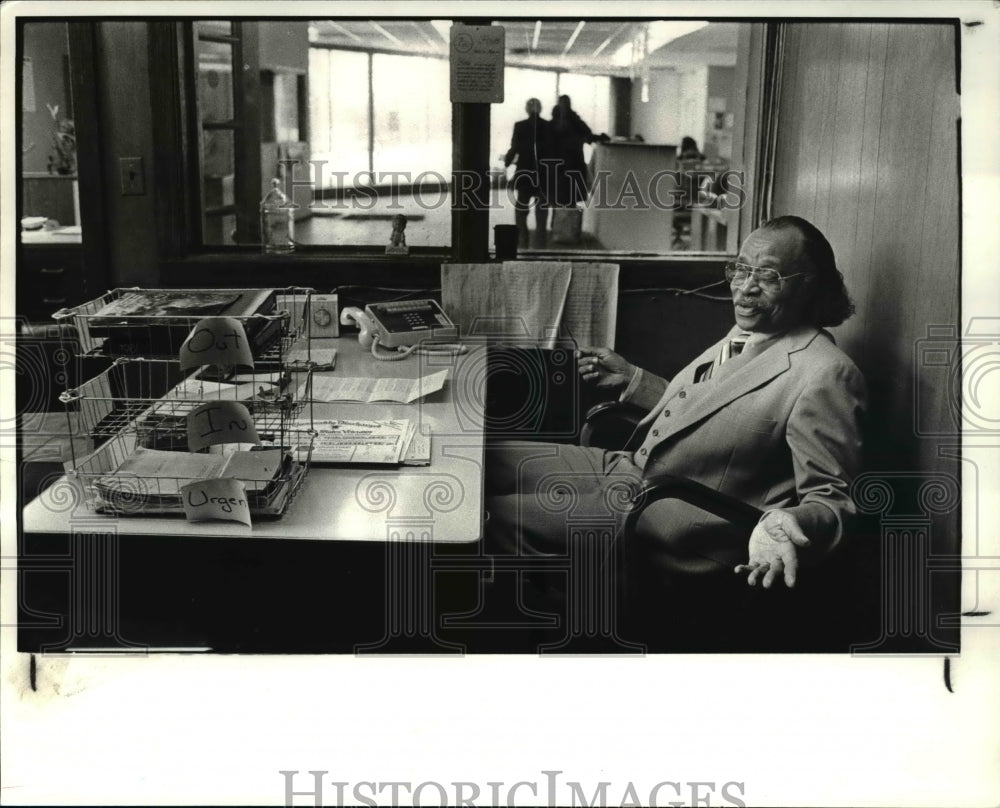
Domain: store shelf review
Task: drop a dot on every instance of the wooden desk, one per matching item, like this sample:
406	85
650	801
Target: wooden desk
442	502
363	579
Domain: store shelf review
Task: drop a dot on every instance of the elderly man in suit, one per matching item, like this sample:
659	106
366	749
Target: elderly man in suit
530	144
771	415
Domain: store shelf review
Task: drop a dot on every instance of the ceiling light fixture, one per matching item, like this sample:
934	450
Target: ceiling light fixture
611	37
395	40
347	32
443	28
573	36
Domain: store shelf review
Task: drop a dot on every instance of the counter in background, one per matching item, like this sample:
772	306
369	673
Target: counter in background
632	169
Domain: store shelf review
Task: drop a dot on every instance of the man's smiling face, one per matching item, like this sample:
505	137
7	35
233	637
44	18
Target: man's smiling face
768	307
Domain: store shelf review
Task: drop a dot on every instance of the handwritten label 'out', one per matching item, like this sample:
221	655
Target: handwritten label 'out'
220	422
222	498
216	341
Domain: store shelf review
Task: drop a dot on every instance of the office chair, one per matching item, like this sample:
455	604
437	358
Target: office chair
688	182
718	611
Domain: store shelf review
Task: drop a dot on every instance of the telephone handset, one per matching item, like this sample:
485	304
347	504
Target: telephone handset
402	325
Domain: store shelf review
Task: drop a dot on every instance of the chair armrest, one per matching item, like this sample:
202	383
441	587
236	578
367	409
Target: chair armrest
610	424
669	486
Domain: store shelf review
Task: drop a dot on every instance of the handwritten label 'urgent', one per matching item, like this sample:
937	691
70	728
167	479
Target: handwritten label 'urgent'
223	498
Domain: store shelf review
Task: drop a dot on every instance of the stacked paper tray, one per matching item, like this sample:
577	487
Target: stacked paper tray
153	323
153	398
136	413
122	477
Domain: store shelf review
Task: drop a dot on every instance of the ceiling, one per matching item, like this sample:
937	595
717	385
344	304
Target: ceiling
591	46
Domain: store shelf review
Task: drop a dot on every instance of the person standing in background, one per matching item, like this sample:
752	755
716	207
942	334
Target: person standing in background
529	145
569	134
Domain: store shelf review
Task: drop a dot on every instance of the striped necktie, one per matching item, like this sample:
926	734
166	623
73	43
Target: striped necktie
730	348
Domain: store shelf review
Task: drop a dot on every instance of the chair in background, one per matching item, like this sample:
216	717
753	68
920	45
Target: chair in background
681	239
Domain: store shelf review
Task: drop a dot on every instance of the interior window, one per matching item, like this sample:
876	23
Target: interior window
356	117
381	132
50	193
649	135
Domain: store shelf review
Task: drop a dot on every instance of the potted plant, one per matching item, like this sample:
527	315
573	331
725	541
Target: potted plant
62	158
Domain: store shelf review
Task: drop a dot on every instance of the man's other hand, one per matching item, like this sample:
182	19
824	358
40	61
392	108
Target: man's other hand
774	547
603	368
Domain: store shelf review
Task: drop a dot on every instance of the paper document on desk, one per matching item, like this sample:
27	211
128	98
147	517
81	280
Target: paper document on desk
540	303
354	441
519	301
590	315
360	388
152	472
418	453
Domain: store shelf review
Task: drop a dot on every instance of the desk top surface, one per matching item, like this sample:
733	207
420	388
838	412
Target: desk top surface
59	236
440	502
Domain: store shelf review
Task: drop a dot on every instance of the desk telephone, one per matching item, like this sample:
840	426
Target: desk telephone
406	325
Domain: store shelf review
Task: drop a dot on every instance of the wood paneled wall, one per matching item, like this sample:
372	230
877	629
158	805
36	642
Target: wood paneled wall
868	151
127	127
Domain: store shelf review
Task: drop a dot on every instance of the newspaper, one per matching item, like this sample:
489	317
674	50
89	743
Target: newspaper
361	441
362	388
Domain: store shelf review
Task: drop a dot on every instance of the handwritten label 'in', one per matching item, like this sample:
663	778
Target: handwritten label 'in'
222	498
220	422
216	341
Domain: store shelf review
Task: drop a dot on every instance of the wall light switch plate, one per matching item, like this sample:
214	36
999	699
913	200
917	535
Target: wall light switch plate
133	181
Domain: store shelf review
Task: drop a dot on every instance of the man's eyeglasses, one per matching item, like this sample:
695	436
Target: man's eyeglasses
737	273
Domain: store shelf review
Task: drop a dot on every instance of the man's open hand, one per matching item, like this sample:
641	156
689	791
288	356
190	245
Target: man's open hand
774	547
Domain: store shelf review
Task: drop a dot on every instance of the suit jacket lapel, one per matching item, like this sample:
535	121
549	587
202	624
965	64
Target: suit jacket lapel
748	371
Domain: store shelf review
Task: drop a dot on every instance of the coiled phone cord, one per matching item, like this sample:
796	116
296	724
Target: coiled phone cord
437	349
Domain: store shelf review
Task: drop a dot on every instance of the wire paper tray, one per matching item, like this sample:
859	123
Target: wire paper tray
153	397
153	323
124	478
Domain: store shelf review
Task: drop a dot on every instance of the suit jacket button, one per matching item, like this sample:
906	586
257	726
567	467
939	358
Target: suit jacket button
682	394
656	433
642	451
666	413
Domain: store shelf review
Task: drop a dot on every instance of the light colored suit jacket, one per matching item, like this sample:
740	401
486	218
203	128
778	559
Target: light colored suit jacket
777	426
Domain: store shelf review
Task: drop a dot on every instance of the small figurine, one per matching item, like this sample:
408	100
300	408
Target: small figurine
397	241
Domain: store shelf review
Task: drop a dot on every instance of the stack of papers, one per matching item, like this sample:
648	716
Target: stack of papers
386	442
315	358
149	481
164	423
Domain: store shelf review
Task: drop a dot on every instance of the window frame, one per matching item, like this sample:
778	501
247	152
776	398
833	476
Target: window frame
757	86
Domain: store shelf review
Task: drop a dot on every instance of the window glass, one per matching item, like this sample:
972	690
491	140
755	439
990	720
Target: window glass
215	81
520	84
338	111
380	131
49	183
591	98
412	115
214	27
650	170
364	107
